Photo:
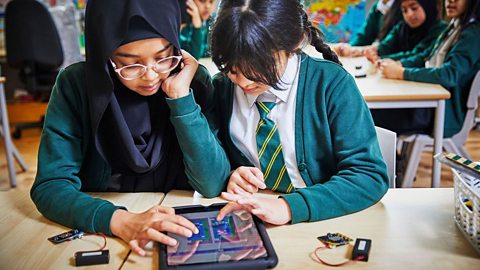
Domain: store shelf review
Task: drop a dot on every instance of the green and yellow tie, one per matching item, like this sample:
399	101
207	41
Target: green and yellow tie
270	151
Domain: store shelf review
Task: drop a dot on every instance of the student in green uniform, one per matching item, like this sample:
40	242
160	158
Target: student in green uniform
383	16
123	121
289	122
453	63
193	37
419	29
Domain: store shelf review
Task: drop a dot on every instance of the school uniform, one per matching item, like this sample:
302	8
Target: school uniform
456	72
194	40
335	162
100	136
395	47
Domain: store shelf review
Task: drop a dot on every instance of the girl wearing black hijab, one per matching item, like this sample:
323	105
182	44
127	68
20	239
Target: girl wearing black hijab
417	32
126	120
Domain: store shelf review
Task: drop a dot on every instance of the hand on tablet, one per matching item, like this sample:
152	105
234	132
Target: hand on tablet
137	229
245	180
272	210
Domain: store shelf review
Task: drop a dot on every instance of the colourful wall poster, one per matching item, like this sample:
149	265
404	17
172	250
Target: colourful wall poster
338	19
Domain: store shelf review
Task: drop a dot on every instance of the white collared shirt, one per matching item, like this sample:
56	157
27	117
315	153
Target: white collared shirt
245	118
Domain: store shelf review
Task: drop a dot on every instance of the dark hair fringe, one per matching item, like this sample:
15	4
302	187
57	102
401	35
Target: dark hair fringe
250	37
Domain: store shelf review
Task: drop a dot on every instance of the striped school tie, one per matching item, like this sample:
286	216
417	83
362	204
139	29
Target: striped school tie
270	151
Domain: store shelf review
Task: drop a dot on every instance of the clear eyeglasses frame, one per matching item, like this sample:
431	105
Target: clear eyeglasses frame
135	71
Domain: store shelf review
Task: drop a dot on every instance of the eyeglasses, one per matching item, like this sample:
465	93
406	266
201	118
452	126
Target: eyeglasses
135	71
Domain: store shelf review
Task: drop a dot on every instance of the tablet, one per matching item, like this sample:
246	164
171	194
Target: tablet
239	241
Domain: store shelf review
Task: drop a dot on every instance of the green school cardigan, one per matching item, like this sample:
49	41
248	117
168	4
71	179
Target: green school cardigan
69	164
456	74
389	47
194	40
337	151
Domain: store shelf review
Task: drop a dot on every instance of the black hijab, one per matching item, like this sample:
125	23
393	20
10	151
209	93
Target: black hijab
131	132
410	37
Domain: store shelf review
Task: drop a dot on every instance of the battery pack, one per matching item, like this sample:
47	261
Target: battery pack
92	257
361	248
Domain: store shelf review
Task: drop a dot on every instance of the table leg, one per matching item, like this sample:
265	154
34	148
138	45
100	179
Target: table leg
438	142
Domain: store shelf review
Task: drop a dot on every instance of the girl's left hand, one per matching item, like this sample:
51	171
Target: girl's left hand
391	69
178	85
193	11
272	210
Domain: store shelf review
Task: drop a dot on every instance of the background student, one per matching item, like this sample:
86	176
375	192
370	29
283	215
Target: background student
419	29
289	122
382	17
110	127
194	36
453	63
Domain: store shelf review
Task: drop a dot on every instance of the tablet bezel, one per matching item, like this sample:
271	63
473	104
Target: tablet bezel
269	261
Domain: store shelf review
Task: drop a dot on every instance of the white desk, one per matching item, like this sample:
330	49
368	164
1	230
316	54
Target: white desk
381	93
410	229
24	232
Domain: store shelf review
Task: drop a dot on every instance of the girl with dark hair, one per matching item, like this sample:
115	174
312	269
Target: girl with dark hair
419	29
193	37
383	16
126	121
453	63
289	122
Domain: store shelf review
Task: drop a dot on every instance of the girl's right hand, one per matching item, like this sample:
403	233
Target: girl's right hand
193	11
246	180
372	54
137	229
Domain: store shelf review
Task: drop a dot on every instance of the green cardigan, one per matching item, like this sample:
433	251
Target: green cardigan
389	47
456	74
337	151
370	29
69	164
194	40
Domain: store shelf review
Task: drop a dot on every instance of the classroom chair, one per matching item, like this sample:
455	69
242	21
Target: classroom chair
388	144
34	48
416	143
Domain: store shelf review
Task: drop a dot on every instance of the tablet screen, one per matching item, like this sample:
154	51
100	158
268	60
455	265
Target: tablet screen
234	238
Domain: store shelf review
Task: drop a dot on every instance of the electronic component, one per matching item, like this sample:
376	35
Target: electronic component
361	249
66	236
360	76
92	257
332	240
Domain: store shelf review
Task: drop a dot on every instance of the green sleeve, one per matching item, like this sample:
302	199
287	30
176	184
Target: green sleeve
206	164
424	45
194	40
56	190
459	60
361	177
370	29
390	44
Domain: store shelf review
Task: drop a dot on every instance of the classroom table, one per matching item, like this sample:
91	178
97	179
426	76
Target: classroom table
409	228
24	232
381	93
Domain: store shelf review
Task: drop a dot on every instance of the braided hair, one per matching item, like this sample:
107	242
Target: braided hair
249	35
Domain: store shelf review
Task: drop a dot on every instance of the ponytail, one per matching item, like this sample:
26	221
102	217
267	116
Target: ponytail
316	39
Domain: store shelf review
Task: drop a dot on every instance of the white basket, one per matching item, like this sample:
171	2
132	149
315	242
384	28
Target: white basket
467	217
